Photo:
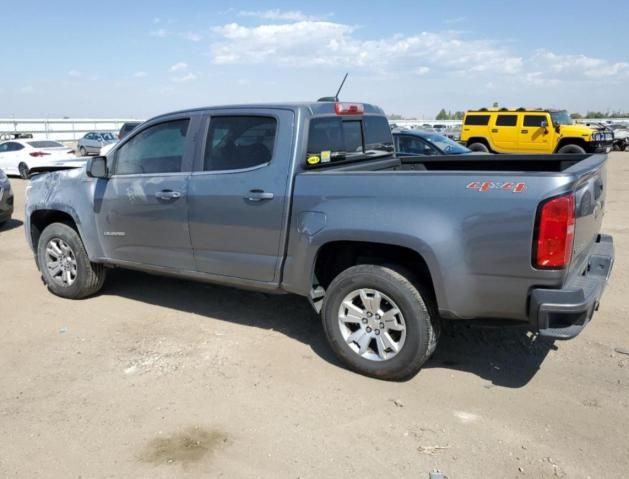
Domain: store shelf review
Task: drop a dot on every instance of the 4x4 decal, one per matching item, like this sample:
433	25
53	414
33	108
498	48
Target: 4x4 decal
484	186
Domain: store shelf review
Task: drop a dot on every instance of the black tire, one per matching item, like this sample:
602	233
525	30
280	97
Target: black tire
571	150
477	146
415	306
22	168
82	151
89	276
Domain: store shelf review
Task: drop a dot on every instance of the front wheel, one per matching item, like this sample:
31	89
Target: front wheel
378	322
65	267
23	170
571	150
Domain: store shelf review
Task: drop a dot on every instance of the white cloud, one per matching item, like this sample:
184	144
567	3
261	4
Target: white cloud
185	78
157	20
324	43
140	75
308	43
75	74
276	14
178	67
160	33
192	36
420	71
27	89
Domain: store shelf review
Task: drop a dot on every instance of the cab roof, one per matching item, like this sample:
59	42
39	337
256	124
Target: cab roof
515	110
311	107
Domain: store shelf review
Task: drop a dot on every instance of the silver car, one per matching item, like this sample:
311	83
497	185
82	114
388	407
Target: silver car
93	141
6	199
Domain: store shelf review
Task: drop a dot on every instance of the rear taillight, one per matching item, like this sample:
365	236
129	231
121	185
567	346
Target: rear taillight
38	153
555	232
349	109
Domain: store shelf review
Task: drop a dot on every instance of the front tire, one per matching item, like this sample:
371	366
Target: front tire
65	267
378	322
23	170
571	150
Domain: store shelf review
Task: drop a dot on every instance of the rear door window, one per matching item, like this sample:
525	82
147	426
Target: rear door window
238	142
506	120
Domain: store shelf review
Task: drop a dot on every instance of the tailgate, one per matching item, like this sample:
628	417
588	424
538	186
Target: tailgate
590	206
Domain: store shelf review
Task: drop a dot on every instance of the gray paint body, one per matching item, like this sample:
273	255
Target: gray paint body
478	246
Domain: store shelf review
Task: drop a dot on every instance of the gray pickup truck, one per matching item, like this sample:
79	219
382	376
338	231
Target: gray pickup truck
310	199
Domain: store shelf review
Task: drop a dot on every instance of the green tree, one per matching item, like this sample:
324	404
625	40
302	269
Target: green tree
442	115
458	115
576	116
495	105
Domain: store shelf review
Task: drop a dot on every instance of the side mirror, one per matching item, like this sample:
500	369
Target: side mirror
97	167
544	124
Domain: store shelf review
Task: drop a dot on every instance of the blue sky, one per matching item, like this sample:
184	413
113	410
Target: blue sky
132	59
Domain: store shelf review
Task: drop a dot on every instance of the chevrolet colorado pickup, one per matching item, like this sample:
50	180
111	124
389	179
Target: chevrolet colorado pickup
310	199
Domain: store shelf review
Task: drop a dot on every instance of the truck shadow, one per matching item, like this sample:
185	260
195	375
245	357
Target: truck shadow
506	357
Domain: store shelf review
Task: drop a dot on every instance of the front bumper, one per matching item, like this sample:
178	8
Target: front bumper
564	313
600	146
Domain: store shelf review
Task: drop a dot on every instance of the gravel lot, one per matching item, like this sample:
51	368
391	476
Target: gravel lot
163	378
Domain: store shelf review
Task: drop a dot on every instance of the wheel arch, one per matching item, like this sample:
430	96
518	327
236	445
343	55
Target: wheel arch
480	139
40	219
335	256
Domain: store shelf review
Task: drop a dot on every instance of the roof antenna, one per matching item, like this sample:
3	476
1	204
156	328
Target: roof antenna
335	97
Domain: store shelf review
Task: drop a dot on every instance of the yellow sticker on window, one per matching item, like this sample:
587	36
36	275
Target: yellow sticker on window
313	160
325	156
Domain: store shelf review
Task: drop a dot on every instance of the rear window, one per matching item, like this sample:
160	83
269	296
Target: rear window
477	120
506	120
45	144
336	138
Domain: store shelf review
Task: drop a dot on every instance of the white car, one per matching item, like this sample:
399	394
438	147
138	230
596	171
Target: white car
18	157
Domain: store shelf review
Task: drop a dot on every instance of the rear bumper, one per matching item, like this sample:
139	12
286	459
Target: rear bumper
564	313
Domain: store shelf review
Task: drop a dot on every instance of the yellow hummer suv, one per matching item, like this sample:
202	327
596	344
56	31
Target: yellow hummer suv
530	131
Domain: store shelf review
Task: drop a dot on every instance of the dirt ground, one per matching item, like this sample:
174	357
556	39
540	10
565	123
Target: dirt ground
160	378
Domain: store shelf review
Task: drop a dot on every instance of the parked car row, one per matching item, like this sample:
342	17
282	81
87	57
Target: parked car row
21	155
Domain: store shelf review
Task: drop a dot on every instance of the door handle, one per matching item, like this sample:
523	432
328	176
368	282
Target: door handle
259	195
494	130
524	131
167	195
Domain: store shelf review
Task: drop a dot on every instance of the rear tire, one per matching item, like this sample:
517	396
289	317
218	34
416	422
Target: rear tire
362	326
65	267
82	151
482	147
23	170
571	150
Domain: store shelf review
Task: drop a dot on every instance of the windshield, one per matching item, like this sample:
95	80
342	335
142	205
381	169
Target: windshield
335	138
45	144
445	144
560	118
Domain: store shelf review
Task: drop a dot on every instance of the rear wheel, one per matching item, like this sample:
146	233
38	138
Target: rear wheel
571	150
378	322
22	169
82	150
66	269
478	147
